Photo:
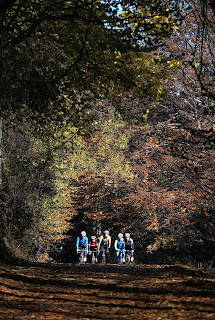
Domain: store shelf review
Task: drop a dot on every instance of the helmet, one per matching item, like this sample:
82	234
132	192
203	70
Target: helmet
120	235
93	238
127	235
106	232
83	233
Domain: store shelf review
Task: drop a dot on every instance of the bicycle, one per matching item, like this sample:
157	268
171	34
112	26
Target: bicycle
104	256
82	256
120	261
128	256
93	256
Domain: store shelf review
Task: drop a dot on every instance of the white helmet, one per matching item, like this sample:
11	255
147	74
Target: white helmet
106	232
127	235
83	233
120	235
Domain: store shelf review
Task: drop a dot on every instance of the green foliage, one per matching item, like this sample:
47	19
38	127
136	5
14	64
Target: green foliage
57	57
102	153
38	174
36	208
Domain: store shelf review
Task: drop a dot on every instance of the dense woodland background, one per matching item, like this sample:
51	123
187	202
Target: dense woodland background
108	122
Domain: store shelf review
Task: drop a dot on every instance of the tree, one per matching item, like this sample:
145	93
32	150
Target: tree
58	58
189	94
98	166
35	204
55	48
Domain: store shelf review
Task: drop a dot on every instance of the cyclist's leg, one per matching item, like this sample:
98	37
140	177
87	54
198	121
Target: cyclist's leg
106	253
123	255
101	253
85	255
79	256
104	256
96	255
132	255
117	256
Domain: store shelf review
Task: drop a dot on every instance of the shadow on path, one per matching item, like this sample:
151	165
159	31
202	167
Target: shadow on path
105	292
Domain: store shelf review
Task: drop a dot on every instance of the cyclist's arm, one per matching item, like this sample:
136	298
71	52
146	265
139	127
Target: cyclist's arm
86	243
132	244
77	243
109	245
115	245
99	244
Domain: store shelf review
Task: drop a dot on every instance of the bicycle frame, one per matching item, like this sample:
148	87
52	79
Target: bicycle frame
128	256
121	257
93	256
104	252
81	258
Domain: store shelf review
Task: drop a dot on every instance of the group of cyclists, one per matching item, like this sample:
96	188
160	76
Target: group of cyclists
99	248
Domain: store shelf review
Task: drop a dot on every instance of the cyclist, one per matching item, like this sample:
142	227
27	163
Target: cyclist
82	244
93	246
120	247
129	245
104	243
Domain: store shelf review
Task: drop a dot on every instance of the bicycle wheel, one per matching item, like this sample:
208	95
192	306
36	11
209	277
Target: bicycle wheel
93	258
103	257
128	258
120	258
82	257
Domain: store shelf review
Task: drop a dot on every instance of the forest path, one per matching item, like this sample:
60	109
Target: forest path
105	292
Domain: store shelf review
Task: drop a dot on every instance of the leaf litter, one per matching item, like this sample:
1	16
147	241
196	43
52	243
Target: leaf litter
66	291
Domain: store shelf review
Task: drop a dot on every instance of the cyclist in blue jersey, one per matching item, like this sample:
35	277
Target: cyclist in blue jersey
82	244
120	247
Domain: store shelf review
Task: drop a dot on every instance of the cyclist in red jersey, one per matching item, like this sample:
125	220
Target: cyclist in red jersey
93	246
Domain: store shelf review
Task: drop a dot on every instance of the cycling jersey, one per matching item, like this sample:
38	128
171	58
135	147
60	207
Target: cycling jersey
105	241
119	244
82	243
93	246
129	244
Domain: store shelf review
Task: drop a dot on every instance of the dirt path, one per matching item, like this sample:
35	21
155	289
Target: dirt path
105	292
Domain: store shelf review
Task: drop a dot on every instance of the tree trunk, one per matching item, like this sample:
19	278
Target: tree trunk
1	123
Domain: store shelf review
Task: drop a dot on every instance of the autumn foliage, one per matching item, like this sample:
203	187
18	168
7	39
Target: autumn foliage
108	122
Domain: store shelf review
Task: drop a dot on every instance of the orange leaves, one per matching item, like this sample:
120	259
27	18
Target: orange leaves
153	225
